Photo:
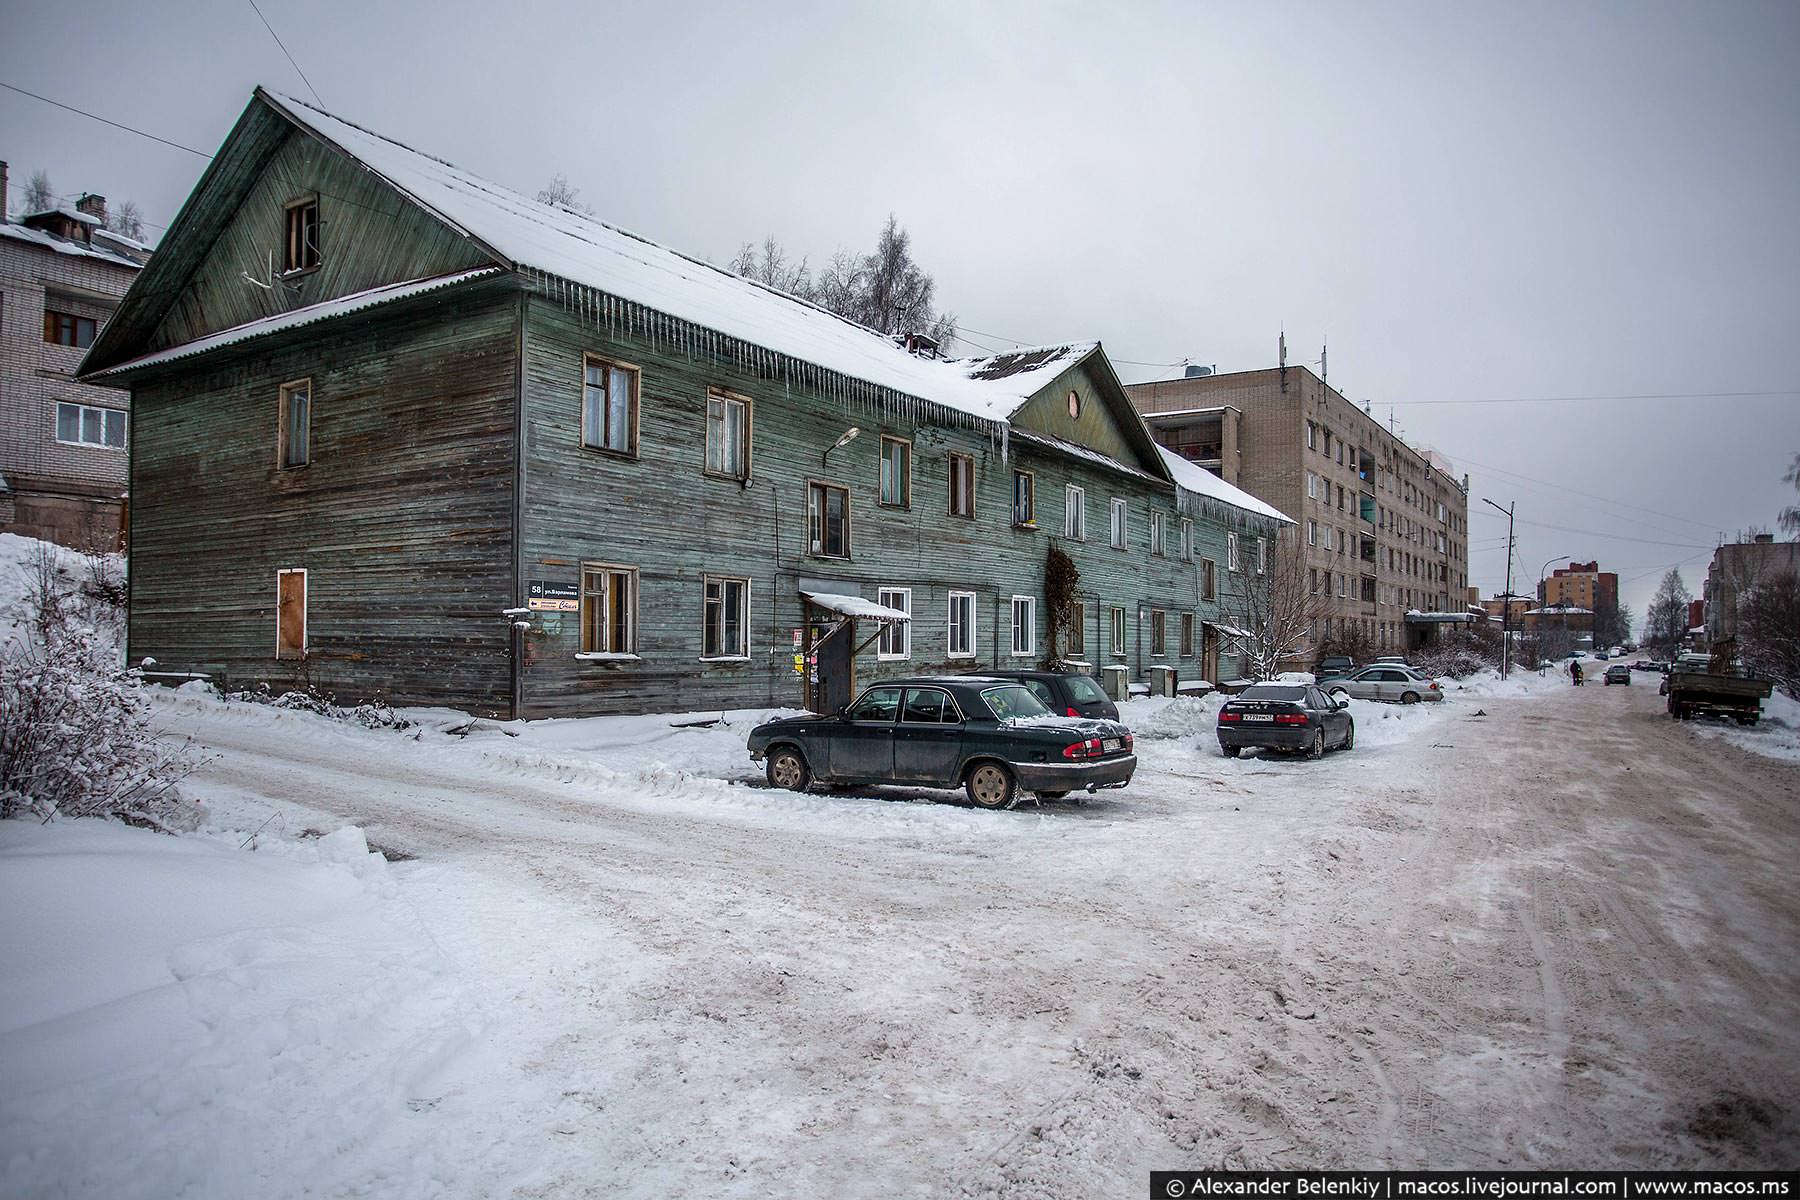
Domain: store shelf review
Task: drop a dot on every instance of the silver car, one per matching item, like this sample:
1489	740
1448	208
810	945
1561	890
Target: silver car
1384	681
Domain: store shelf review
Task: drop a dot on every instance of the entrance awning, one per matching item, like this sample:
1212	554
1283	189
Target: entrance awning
857	607
1230	631
1439	618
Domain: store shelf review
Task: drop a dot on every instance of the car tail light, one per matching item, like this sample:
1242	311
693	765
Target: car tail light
1228	715
1434	686
1087	749
1070	712
1290	718
1128	740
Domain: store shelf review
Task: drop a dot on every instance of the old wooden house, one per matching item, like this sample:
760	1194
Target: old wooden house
402	432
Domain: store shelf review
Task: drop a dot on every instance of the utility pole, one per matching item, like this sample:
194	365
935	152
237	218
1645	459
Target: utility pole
1506	599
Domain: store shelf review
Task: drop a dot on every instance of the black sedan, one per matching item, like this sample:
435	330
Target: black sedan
989	736
1295	717
1064	693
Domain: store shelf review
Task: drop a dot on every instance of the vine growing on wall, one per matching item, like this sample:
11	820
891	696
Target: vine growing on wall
1060	578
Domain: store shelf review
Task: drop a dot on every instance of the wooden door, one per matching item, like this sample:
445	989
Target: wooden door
290	615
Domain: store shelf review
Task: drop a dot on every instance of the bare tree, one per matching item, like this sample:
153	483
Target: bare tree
772	267
1768	628
1789	519
40	195
127	221
1666	622
1612	624
560	192
1274	603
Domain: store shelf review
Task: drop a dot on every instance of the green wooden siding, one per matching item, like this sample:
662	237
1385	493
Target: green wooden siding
403	518
369	236
660	514
1096	426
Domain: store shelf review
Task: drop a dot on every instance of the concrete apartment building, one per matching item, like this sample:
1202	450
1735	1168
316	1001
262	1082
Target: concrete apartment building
1383	526
63	444
1582	585
1737	567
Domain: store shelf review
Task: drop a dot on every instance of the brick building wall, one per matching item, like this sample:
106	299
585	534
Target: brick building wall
1375	545
63	491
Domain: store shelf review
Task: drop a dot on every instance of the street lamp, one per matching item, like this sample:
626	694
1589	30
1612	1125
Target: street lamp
1506	600
1537	646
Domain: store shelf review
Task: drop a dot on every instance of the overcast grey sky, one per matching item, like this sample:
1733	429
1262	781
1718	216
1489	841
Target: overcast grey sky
1473	203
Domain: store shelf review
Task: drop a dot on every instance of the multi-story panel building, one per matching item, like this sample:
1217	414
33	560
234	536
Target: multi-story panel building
1583	585
1382	526
1737	567
62	442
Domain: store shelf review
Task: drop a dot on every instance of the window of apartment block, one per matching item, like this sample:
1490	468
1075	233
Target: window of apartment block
609	399
828	520
1312	436
1156	534
300	250
896	471
82	425
1343	585
66	329
1075	513
1118	523
962	625
962	485
1024	498
1075	636
1158	629
727	618
608	609
1187	635
1312	533
896	636
1209	579
1312	580
1231	553
1024	626
290	613
1312	486
1117	623
727	435
294	424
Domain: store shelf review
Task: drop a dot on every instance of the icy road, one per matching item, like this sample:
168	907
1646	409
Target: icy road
1563	933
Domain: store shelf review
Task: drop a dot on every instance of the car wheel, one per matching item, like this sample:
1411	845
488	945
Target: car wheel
990	785
1317	748
1051	795
1232	751
1409	698
1349	736
788	770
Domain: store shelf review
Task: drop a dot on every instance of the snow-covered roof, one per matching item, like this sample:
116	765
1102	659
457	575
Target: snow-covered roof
569	244
299	316
1230	631
857	606
1558	610
78	217
1034	438
24	233
1203	482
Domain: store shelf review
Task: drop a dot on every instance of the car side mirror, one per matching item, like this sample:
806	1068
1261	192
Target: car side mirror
1342	702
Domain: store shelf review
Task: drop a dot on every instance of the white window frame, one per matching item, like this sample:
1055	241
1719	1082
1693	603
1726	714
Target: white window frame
963	464
1262	556
1115	633
893	481
894	632
1312	486
1187	540
1075	513
592	439
81	412
610	571
1157	548
1024	646
1312	533
1231	554
1121	524
740	652
968	629
725	401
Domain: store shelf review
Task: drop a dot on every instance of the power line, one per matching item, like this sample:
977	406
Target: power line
1577	399
290	57
1619	537
1586	495
102	120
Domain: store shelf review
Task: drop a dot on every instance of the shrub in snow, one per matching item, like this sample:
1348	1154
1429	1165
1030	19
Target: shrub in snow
75	737
1459	654
311	699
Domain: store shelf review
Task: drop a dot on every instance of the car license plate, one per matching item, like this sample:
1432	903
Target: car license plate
1258	717
1111	744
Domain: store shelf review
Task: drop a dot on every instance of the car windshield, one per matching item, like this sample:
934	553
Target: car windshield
1012	701
1084	689
1294	695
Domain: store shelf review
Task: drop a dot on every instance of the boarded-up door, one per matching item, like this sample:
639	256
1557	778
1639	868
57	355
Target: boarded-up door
290	614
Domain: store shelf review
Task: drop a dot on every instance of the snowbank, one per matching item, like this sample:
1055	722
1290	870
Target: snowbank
1777	735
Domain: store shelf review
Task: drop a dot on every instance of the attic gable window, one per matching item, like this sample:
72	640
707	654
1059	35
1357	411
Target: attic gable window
609	400
300	252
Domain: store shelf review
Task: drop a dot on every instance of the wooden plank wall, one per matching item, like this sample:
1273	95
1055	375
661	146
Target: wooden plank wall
402	520
661	514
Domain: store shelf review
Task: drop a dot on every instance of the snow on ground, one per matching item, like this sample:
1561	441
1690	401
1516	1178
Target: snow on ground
1776	735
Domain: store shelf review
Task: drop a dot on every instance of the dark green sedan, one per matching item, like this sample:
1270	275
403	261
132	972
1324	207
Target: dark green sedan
991	737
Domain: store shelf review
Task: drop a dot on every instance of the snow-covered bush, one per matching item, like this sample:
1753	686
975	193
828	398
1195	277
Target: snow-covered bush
311	699
75	736
1459	654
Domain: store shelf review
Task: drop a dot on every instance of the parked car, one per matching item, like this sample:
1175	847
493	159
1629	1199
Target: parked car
1617	673
1388	681
1644	664
1336	664
989	736
1294	717
1394	658
1065	693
